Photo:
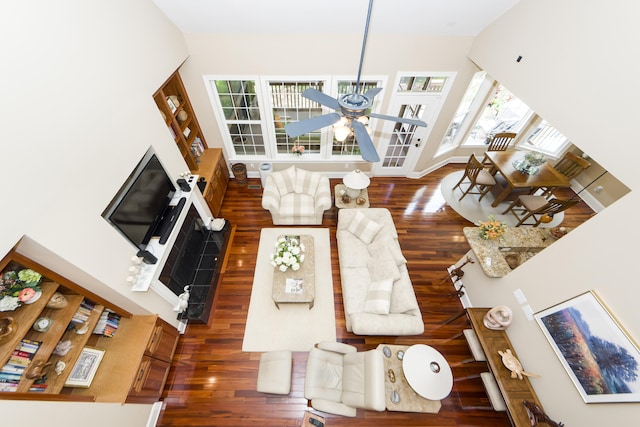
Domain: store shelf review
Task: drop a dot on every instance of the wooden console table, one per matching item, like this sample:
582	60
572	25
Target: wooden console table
513	390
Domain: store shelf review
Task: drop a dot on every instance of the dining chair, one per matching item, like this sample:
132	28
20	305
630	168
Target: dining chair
479	179
536	207
571	165
499	142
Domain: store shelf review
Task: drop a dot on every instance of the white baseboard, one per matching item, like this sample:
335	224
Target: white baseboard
156	409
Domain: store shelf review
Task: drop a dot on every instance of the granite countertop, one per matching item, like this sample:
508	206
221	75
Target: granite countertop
492	259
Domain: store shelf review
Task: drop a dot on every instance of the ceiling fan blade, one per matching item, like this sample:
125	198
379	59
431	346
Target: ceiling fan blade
371	93
309	125
367	150
321	98
399	119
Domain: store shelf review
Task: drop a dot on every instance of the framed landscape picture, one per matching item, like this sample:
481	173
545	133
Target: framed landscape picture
600	357
85	368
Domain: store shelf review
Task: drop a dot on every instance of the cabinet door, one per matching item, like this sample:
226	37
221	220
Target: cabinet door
150	380
163	341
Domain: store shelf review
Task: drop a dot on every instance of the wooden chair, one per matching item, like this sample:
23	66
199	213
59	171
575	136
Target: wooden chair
536	207
479	179
499	142
571	165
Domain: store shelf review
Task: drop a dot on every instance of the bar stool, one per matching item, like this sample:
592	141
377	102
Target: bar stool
474	346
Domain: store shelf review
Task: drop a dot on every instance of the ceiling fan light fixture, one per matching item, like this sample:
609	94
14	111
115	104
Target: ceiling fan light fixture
363	119
341	132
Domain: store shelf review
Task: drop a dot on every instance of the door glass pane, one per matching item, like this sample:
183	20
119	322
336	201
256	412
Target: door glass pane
402	136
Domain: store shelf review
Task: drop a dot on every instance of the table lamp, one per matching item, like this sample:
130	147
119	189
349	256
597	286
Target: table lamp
354	182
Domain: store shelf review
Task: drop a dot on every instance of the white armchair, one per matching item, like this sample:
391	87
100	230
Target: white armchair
296	196
340	379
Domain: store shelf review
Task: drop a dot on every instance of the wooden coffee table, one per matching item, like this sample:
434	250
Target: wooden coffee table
296	287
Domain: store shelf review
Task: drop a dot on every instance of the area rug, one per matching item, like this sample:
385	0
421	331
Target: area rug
470	209
293	327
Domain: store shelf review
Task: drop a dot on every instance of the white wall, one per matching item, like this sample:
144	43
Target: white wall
580	73
78	114
305	54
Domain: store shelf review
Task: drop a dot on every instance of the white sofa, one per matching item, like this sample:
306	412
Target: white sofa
296	196
376	288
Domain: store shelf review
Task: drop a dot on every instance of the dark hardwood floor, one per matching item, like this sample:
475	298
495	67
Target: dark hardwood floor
212	382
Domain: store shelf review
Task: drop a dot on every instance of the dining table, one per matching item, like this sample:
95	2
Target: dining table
501	162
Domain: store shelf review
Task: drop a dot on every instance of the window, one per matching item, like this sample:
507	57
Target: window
239	104
503	112
461	119
547	139
255	112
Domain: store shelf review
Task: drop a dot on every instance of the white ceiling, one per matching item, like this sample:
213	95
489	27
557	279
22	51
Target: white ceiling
421	17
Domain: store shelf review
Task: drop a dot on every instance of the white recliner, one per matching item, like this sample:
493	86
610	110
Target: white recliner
296	196
340	379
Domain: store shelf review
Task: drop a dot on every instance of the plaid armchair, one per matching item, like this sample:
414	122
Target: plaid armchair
296	196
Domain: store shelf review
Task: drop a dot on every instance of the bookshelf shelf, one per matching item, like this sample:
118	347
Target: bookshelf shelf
126	350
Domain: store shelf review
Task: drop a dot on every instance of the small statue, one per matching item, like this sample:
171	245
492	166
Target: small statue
183	301
62	348
498	318
537	415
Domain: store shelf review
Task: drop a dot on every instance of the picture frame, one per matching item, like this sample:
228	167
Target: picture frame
600	357
85	368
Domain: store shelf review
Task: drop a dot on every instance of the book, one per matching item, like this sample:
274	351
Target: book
293	286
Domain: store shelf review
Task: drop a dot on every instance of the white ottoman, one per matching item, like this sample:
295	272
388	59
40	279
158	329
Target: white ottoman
274	373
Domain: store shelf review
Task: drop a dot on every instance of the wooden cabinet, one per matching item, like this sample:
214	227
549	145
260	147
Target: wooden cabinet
155	364
174	105
213	168
138	341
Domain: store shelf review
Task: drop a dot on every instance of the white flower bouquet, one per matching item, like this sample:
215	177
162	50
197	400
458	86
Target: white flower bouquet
289	254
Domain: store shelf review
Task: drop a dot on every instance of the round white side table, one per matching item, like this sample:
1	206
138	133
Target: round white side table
427	372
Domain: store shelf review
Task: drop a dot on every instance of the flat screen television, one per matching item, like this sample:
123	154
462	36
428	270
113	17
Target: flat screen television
142	202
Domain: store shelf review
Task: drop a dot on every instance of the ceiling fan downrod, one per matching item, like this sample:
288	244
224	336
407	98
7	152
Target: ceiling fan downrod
364	44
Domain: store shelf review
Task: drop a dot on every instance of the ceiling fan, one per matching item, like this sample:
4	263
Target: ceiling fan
350	109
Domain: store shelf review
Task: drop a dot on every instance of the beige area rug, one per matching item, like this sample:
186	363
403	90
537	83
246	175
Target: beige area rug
293	327
410	401
470	209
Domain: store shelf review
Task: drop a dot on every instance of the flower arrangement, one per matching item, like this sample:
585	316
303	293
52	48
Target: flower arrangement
534	158
289	254
492	229
17	287
298	150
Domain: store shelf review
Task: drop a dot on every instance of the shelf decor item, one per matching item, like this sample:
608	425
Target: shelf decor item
85	368
18	287
289	253
599	356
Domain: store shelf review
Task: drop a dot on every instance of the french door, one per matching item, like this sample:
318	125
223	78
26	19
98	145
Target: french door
417	97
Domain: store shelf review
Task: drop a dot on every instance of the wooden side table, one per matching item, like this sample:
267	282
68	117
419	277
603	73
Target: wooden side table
352	203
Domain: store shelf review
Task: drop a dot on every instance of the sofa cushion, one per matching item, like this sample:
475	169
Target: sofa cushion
306	182
403	297
296	205
285	180
352	251
364	228
382	268
379	297
386	247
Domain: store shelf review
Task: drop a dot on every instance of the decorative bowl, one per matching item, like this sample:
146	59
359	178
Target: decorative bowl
360	201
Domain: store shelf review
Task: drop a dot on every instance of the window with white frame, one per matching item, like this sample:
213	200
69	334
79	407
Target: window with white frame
255	112
547	139
503	112
464	113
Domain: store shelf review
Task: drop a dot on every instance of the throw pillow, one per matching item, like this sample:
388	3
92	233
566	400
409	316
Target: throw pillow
386	247
383	267
306	182
363	228
379	297
285	180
